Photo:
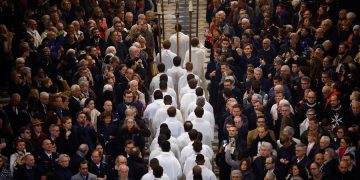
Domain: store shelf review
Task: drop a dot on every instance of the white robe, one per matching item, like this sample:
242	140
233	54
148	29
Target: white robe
169	91
187	99
190	163
206	173
205	128
166	58
206	107
173	143
183	140
154	84
175	73
208	116
183	81
198	60
150	176
175	126
170	165
151	109
188	150
183	45
161	115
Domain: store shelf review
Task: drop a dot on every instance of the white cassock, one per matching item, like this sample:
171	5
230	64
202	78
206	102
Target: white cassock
170	165
169	91
173	144
198	60
188	150
190	163
204	126
183	140
166	58
161	115
206	173
188	98
175	73
208	116
207	107
154	84
183	45
151	109
183	81
175	126
150	176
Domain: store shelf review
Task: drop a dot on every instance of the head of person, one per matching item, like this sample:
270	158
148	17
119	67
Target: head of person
64	160
235	175
84	168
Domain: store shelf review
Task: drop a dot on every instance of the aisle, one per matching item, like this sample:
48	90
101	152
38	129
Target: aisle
170	21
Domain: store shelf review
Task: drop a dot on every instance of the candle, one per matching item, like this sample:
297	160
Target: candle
158	7
190	6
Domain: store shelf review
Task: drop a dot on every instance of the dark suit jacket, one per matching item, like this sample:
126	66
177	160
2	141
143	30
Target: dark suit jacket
102	171
21	173
258	167
74	107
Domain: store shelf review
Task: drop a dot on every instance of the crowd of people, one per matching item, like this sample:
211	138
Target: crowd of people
93	93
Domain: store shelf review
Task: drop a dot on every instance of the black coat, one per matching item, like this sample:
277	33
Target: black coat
21	173
137	167
101	171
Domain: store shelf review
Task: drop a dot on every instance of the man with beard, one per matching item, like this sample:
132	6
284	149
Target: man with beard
343	56
127	102
336	112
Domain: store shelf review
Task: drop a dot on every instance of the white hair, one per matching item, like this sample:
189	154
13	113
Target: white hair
74	87
44	94
110	49
107	87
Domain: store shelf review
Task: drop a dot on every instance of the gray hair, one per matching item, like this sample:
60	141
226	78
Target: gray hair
267	145
306	79
289	130
74	87
326	138
44	94
200	101
258	70
236	171
331	153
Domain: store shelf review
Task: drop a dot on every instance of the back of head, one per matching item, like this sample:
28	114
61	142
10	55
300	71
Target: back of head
166	44
158	95
161	67
194	42
199	91
197	146
177	61
193	134
199	111
171	111
165	146
188	126
192	83
157	171
167	100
